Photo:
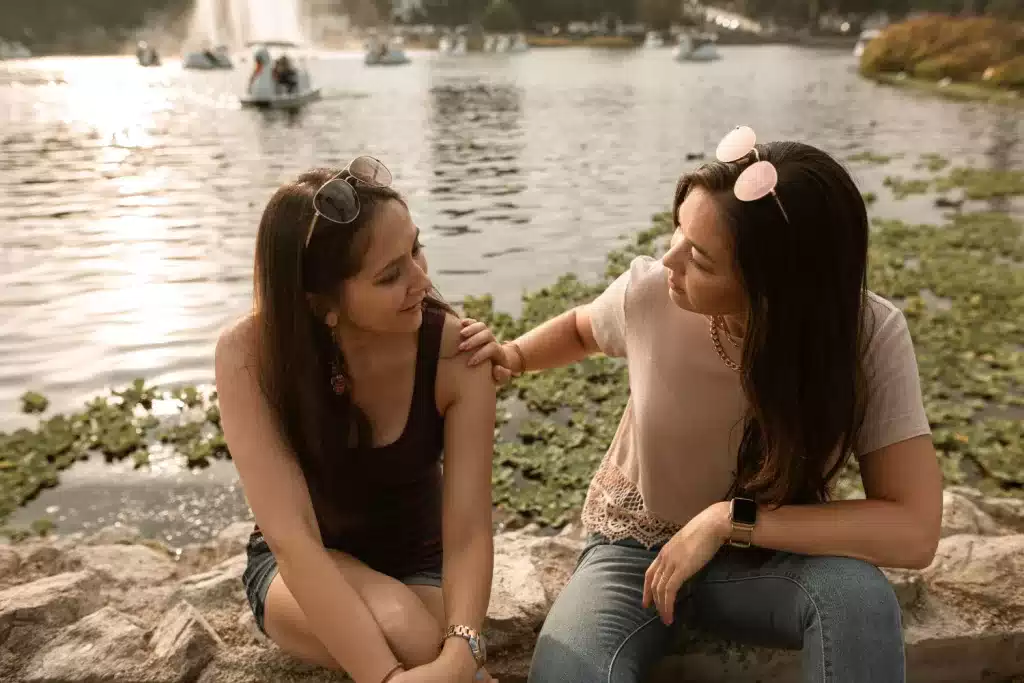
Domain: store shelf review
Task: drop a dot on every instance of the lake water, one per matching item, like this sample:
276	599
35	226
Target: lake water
131	198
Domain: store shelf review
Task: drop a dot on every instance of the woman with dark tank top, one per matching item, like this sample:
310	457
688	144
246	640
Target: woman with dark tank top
338	396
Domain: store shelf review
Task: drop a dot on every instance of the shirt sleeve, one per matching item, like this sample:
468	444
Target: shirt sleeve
895	409
608	316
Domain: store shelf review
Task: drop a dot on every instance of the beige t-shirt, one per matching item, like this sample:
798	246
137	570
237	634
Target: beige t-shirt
675	450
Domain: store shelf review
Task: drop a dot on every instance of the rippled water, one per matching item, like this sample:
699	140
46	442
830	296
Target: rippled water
131	196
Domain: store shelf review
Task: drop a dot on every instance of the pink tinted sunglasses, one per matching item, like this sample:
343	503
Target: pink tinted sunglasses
757	180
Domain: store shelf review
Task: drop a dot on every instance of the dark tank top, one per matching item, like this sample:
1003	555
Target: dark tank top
382	505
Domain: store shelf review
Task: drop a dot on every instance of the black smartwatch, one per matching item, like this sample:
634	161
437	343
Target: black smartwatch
743	515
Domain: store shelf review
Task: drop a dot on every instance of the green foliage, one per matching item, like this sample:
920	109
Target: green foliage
936	47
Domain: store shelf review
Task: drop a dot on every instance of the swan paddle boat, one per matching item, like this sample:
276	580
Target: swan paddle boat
280	77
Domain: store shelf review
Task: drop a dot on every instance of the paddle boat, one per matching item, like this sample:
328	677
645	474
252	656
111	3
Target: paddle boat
519	43
696	48
452	45
207	59
654	40
280	78
385	53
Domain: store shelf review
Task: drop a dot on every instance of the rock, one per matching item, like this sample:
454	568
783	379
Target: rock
114	535
258	664
235	537
979	573
221	583
104	646
10	561
518	599
125	563
246	623
183	643
907	585
1008	512
47	559
53	601
961	516
963	615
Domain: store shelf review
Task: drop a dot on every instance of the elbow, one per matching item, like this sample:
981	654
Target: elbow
918	552
923	554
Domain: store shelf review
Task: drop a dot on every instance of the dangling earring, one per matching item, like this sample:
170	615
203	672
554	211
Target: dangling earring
338	381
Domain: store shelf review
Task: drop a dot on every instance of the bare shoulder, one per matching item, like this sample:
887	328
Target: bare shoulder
236	345
455	377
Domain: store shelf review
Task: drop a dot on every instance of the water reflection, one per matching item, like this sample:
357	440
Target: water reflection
476	140
132	196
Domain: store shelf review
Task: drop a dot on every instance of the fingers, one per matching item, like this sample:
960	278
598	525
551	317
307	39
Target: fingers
649	577
483	338
471	327
501	374
491	351
669	588
661	585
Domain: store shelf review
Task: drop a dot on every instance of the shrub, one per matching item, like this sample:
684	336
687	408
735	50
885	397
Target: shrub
937	46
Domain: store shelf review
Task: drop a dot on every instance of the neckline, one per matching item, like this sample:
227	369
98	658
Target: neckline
418	371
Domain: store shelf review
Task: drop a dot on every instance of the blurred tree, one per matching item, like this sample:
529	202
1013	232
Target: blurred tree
659	14
501	16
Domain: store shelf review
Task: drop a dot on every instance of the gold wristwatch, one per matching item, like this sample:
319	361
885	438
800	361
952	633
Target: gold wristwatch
743	515
475	640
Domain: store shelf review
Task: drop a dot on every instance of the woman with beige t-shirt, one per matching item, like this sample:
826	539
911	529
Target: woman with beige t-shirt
758	362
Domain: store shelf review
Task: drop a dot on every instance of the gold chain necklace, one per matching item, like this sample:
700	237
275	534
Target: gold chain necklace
714	322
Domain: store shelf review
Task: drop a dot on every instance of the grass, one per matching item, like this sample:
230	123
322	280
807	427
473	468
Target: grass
962	91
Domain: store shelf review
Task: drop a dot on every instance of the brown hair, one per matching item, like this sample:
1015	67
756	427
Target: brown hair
295	348
805	282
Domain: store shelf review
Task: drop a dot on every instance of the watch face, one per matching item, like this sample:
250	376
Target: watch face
479	651
744	511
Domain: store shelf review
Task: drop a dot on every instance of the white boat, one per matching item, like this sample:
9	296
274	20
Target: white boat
695	48
146	54
865	38
280	78
518	43
653	39
217	58
389	53
13	50
452	45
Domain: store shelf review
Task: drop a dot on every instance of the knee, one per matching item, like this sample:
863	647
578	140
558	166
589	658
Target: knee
412	632
558	658
858	592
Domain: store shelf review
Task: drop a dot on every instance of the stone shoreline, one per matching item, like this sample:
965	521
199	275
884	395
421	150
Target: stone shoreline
117	608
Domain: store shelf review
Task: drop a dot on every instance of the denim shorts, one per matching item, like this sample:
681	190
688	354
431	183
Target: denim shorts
261	568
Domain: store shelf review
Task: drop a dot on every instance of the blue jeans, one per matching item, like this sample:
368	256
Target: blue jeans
841	613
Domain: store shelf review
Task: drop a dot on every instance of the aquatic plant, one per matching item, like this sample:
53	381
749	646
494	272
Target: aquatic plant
960	285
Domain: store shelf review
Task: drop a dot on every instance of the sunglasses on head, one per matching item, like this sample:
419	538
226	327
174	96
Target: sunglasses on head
757	180
337	199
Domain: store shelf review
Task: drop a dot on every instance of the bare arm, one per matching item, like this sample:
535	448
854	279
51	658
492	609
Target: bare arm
467	531
561	341
897	525
276	491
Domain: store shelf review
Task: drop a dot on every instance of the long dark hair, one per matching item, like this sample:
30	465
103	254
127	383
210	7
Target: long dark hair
296	349
805	281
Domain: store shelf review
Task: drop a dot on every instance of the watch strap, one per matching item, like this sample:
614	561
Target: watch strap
470	635
742	524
